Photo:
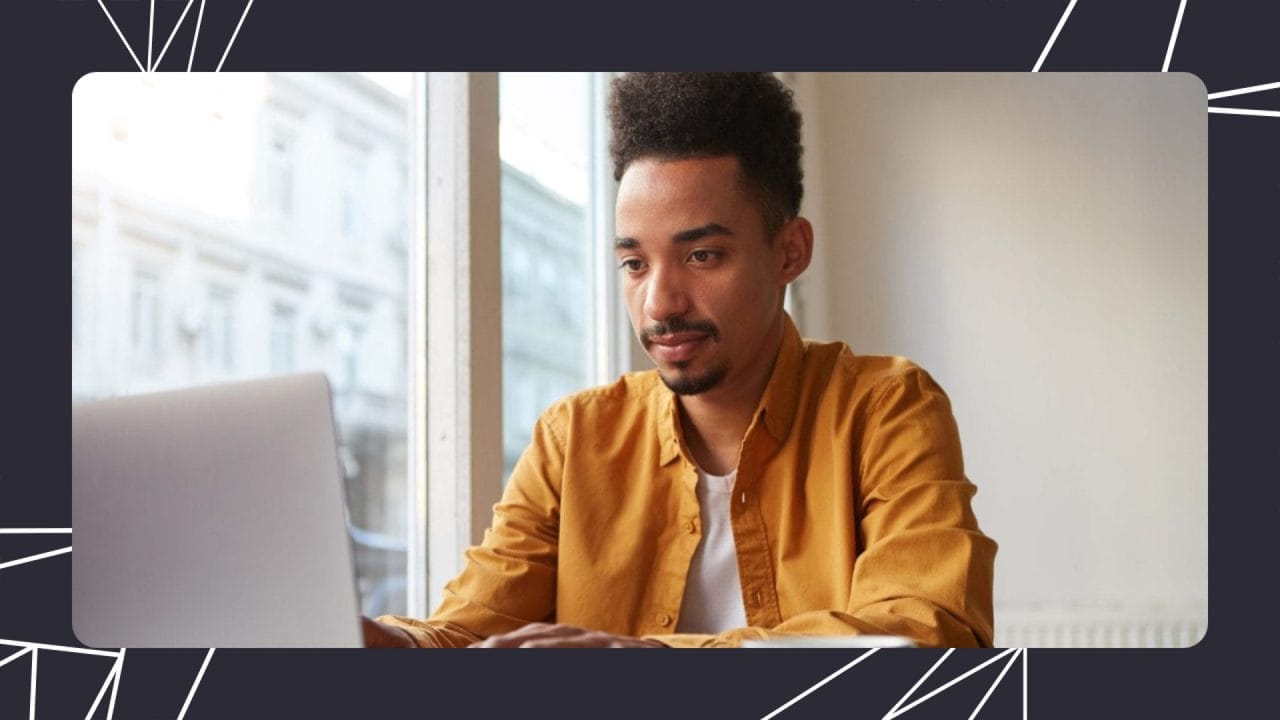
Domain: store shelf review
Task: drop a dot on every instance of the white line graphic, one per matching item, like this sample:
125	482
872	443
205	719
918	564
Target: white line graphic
919	682
992	689
151	30
820	683
126	42
33	558
1173	39
1024	684
60	648
935	691
173	32
1226	111
199	17
15	656
1244	90
234	34
115	685
1049	45
196	684
35	655
33	531
97	700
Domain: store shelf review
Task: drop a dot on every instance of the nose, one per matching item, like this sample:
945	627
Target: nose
665	296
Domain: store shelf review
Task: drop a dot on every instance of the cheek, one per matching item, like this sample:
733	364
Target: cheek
633	296
743	297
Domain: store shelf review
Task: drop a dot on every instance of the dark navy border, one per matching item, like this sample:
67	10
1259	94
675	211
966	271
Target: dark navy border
51	43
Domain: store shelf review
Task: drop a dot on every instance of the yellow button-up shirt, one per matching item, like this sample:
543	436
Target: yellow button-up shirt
851	514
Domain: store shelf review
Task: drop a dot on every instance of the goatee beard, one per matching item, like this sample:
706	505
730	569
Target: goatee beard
693	384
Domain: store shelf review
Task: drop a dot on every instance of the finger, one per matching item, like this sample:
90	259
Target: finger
533	631
577	641
592	639
515	637
584	638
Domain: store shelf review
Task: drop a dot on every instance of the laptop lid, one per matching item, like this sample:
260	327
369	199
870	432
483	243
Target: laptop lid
211	517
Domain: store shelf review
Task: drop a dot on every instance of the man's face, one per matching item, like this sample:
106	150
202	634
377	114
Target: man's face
702	283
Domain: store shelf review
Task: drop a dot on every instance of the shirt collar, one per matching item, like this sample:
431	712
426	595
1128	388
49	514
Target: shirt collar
777	406
782	394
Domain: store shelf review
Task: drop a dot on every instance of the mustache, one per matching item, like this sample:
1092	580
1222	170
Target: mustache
678	325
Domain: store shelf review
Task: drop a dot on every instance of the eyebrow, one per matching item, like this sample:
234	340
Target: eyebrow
680	238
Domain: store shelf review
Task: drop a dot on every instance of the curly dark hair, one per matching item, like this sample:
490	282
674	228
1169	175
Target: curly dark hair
681	115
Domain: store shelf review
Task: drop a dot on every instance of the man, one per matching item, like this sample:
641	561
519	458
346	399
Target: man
753	485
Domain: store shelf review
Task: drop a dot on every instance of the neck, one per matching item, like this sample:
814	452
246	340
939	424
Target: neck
716	421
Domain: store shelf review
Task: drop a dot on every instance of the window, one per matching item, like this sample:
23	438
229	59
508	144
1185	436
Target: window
196	163
352	204
284	320
279	174
397	235
546	196
210	168
146	314
515	270
351	348
220	330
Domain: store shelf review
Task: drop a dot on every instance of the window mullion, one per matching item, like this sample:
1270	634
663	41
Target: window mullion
611	353
464	351
416	556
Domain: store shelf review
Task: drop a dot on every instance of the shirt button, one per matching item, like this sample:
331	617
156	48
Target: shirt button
663	619
689	527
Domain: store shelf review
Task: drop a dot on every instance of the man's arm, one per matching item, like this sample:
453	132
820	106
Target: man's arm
382	635
509	580
925	570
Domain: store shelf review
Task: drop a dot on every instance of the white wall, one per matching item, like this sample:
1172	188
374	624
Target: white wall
1039	244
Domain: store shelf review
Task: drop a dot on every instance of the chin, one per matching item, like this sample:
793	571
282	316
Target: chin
692	383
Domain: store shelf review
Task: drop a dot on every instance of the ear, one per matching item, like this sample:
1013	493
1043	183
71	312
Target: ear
795	247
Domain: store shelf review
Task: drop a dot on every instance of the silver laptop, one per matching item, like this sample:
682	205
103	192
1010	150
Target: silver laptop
211	517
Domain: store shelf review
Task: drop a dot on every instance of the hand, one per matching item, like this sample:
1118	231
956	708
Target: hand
381	635
545	635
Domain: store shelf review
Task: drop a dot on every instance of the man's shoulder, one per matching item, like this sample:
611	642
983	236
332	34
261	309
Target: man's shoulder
631	395
846	364
858	375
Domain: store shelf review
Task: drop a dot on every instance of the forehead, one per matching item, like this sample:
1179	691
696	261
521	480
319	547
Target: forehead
681	193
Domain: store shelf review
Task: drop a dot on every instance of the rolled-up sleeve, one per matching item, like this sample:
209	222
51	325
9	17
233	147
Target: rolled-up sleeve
509	580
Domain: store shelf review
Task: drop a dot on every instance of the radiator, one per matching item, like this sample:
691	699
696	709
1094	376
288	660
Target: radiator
1101	627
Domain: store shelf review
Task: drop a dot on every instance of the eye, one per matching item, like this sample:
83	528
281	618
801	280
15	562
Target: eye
632	265
704	256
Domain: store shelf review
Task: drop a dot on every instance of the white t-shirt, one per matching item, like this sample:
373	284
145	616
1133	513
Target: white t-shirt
713	592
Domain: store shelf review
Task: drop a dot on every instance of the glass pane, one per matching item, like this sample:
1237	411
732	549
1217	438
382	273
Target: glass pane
545	145
238	225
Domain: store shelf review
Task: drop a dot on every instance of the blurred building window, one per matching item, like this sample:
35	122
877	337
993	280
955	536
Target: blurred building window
220	330
352	342
353	198
284	322
146	314
280	174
